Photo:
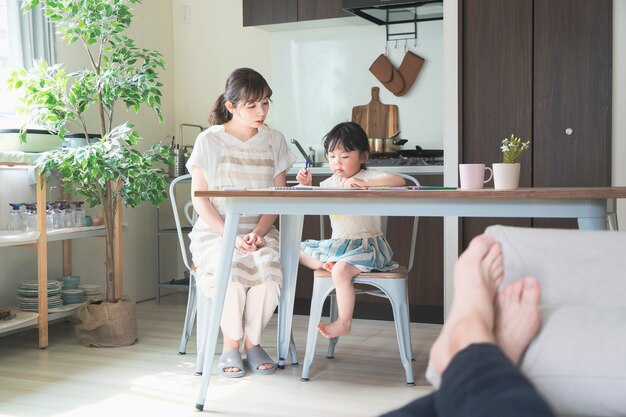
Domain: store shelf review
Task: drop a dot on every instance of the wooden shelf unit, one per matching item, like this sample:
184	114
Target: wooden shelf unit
39	240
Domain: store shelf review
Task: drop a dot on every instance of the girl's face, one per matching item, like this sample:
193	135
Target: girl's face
250	114
344	163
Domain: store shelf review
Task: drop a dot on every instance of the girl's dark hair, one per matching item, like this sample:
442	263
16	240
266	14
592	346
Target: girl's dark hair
350	136
243	84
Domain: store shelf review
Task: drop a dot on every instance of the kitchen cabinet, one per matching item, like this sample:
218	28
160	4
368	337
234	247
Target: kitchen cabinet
40	240
320	9
266	12
425	279
541	70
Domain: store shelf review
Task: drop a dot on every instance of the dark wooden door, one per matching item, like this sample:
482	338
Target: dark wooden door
572	88
572	96
540	69
265	12
496	88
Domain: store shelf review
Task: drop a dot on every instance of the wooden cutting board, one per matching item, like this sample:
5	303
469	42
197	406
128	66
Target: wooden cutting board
377	119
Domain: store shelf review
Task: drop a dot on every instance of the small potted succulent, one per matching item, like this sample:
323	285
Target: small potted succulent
506	174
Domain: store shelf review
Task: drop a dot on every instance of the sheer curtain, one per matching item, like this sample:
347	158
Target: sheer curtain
32	33
23	38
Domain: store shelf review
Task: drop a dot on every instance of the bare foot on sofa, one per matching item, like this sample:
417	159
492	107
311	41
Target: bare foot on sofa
477	274
517	317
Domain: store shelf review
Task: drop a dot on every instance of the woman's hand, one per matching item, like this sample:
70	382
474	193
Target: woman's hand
255	239
242	246
354	183
250	242
304	177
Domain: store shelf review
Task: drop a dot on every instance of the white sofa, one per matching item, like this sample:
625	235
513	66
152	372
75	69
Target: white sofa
578	359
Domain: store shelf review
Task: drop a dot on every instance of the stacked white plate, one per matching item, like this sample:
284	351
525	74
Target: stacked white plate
92	292
28	295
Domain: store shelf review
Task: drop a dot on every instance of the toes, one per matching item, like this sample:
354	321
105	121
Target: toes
480	245
513	291
494	254
531	294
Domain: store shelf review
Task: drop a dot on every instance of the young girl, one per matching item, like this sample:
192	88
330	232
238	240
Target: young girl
238	150
357	243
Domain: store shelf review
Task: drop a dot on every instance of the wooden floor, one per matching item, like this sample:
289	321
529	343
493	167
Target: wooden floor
151	379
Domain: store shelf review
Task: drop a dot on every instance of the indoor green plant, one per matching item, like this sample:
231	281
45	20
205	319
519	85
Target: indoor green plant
506	174
111	169
512	149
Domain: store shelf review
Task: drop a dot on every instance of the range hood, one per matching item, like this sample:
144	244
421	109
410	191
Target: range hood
388	12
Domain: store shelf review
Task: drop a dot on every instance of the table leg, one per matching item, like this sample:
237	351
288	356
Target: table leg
290	235
223	271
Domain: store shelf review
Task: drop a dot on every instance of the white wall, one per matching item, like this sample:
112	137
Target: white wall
206	50
319	75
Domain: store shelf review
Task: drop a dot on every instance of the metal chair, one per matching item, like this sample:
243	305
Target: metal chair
197	303
391	285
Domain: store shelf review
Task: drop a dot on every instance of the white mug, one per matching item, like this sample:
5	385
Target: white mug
473	175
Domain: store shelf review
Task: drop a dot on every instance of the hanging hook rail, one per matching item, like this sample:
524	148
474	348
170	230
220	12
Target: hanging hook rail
409	34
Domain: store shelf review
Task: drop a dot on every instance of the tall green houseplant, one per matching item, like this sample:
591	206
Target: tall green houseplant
111	169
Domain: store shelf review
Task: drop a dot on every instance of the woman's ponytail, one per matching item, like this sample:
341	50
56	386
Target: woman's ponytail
219	113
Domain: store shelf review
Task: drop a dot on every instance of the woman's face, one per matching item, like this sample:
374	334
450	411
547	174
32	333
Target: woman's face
344	163
251	114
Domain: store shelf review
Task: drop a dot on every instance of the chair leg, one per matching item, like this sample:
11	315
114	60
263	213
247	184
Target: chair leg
333	317
321	287
400	306
190	316
292	351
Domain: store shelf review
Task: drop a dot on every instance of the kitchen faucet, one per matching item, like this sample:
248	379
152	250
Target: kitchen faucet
308	158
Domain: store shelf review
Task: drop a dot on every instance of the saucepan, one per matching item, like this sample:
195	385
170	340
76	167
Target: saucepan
388	146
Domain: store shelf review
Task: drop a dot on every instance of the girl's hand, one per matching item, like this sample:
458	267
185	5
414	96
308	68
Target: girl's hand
304	177
242	246
354	183
255	240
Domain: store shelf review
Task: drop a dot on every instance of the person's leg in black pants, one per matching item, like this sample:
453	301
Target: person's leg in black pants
480	378
480	381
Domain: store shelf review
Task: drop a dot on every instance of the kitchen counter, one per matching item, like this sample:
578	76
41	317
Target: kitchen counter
403	169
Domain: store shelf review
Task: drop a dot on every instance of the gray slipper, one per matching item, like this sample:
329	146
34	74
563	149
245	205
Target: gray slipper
231	359
257	357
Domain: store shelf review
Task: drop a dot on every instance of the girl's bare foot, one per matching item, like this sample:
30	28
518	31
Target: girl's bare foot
328	266
477	274
335	329
517	317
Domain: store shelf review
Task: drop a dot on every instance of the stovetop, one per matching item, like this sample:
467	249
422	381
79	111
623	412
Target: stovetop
403	160
414	157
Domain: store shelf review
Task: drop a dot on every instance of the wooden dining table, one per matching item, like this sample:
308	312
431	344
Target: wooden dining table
586	204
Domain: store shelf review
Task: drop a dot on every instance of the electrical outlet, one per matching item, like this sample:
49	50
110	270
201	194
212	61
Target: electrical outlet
186	14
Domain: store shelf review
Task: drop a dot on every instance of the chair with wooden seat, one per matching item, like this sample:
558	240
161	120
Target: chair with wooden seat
391	285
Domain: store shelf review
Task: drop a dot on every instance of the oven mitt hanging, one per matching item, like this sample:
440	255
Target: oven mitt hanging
399	82
409	68
387	74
